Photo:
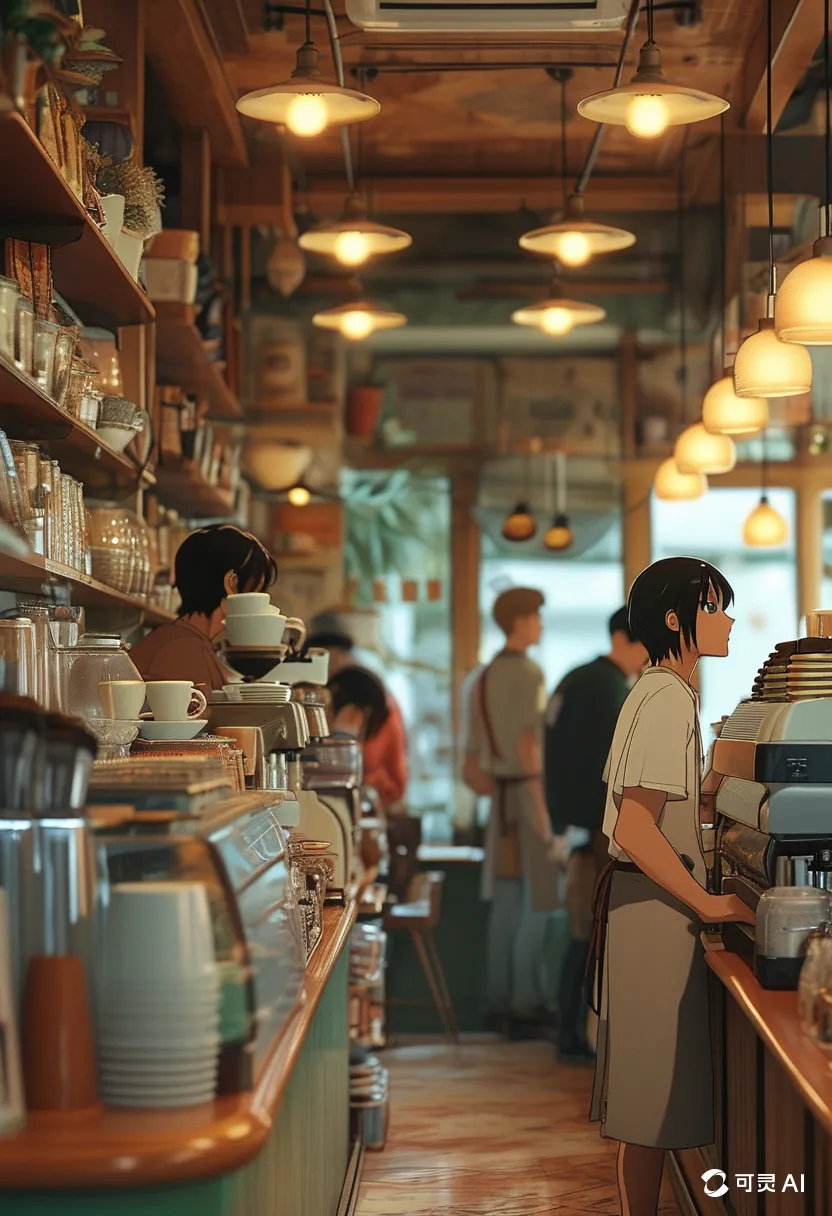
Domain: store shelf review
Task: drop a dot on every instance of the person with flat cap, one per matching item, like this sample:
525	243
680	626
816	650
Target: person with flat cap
504	762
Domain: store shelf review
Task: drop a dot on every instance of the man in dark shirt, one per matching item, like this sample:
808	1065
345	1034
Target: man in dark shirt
579	725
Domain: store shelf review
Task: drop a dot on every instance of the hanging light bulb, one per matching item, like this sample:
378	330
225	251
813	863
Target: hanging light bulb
354	238
559	536
648	105
558	315
299	496
699	451
306	103
765	526
358	319
556	321
519	524
724	413
671	485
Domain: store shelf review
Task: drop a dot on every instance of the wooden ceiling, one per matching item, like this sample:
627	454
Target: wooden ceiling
473	124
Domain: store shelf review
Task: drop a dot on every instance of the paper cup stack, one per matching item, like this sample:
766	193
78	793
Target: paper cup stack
158	1009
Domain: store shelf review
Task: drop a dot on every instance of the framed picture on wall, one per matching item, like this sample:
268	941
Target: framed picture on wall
573	401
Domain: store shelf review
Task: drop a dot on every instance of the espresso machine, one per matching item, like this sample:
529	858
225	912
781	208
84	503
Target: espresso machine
774	804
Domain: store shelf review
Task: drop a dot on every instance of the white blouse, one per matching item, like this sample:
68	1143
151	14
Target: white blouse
657	746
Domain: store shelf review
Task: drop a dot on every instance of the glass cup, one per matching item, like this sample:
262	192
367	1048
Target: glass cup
46	336
64	352
25	337
9	295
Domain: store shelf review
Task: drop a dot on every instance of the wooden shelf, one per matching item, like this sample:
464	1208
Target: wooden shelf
27	413
181	359
30	573
184	488
36	204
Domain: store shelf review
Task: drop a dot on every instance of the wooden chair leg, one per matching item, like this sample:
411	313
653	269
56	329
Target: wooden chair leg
439	972
424	958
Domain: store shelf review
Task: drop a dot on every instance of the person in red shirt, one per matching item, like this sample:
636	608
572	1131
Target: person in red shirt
385	746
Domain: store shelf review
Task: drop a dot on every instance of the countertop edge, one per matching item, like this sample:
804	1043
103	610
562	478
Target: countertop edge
775	1018
106	1148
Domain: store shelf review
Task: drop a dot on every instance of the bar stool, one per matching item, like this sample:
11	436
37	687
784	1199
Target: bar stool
419	917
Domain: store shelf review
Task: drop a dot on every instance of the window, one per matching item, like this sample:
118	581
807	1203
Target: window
764	582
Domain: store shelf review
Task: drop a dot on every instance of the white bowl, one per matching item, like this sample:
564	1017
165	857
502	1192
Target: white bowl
171	732
255	630
161	931
117	435
153	1103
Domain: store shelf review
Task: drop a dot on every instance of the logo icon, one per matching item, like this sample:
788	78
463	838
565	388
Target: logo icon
719	1188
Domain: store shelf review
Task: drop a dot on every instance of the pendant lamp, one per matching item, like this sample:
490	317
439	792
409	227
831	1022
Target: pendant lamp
648	105
700	451
299	495
765	527
803	305
359	319
765	366
557	315
573	240
519	525
559	536
306	103
354	238
670	485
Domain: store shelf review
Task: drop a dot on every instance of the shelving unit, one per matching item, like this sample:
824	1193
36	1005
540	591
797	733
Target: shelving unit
30	574
184	488
181	359
36	204
27	413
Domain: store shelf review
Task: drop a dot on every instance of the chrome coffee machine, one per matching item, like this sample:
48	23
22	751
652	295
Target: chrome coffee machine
774	805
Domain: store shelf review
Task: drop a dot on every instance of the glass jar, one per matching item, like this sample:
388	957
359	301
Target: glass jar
113	546
96	658
82	376
25	335
64	352
46	336
98	346
9	295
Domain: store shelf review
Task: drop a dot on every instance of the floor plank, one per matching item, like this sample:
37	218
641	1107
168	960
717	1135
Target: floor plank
490	1129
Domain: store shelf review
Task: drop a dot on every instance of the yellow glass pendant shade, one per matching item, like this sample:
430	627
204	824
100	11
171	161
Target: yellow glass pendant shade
724	413
699	451
765	527
670	485
767	367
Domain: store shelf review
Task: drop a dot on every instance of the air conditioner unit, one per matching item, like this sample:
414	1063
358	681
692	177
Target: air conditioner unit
486	16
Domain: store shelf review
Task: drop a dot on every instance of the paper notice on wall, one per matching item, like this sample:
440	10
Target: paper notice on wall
571	401
438	402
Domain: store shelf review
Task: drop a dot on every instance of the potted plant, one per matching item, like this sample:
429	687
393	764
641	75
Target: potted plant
364	400
143	195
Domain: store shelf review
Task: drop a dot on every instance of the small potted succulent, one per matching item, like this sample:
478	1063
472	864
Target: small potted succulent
143	195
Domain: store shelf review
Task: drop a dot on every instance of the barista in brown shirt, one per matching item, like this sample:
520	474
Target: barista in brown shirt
210	565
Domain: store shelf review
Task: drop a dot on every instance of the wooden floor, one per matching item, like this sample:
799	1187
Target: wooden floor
490	1129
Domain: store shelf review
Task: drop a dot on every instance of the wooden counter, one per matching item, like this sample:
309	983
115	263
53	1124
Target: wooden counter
108	1148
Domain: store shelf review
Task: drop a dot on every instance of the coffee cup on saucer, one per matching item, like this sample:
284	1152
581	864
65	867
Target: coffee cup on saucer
174	700
122	700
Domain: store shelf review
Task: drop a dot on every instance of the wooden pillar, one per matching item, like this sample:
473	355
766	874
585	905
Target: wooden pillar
465	582
808	544
628	392
635	531
195	157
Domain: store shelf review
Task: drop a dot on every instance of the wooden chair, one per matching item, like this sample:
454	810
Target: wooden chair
404	835
419	916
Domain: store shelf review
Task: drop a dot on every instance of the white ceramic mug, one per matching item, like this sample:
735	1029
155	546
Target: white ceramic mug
250	603
174	700
255	630
122	700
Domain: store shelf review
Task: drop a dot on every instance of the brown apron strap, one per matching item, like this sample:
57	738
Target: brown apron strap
598	941
499	801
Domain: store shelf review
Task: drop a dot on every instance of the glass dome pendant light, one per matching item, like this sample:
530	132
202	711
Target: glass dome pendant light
670	484
574	240
559	535
306	103
648	105
520	525
803	305
765	366
765	527
723	412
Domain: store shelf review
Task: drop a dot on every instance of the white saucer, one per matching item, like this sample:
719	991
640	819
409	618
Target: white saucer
171	732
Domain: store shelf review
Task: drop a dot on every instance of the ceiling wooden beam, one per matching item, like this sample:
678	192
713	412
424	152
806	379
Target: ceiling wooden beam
183	53
229	22
797	31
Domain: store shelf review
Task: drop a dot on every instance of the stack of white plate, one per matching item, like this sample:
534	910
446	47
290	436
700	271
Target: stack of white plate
258	693
158	997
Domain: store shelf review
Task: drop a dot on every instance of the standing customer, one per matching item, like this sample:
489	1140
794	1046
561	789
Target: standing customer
503	760
654	1070
579	726
385	750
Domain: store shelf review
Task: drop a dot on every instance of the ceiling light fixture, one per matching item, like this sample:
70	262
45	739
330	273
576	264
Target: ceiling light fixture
557	315
648	105
306	103
670	485
765	366
299	495
765	527
559	535
354	238
359	319
573	240
701	451
519	525
803	305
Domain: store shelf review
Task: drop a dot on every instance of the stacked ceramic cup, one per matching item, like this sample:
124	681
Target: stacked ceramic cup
158	997
253	622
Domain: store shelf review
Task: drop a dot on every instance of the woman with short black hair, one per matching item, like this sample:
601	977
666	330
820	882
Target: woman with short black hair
210	564
653	1074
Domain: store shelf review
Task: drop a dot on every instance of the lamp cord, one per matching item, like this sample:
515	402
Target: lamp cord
683	349
308	20
723	289
563	142
772	279
650	21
